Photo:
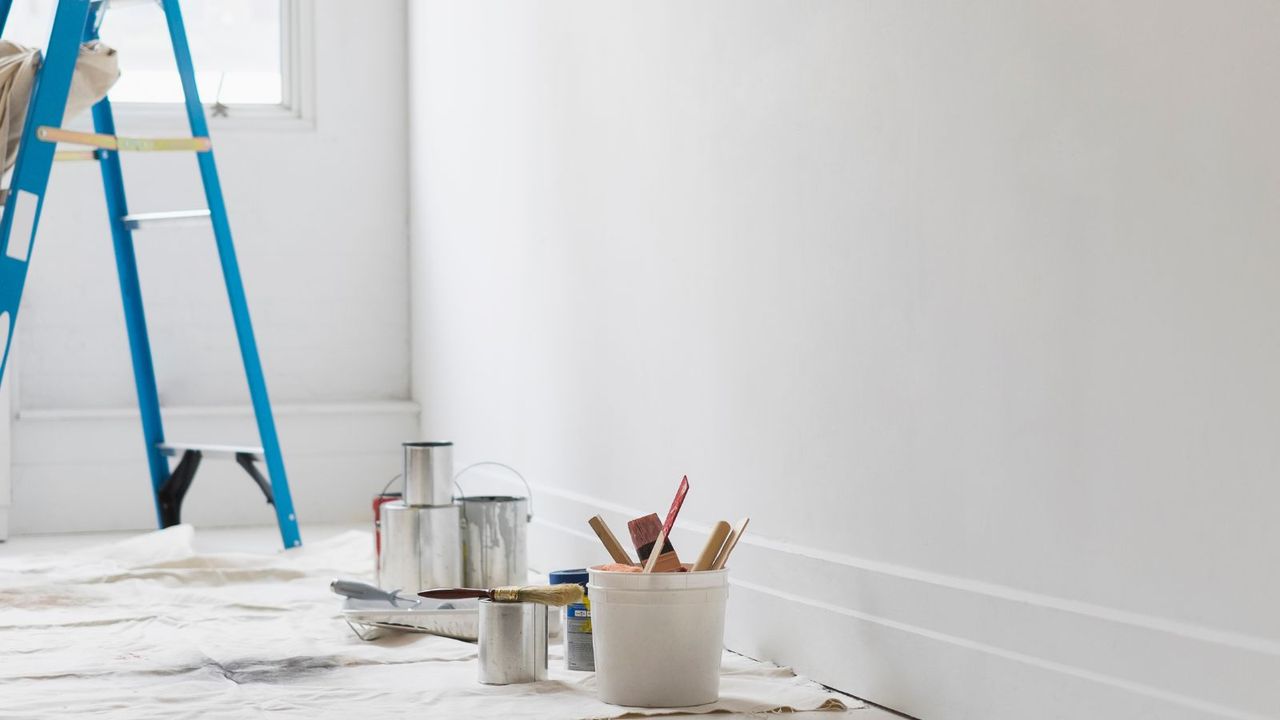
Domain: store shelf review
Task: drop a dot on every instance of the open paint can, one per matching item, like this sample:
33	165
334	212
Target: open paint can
495	535
428	473
421	547
513	642
658	637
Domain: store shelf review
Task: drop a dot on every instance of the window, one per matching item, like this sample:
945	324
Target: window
237	47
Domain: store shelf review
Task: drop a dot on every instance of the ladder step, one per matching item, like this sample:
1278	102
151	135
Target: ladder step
135	221
117	4
227	452
123	144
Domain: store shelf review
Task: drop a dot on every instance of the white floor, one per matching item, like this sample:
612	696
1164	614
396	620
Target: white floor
266	540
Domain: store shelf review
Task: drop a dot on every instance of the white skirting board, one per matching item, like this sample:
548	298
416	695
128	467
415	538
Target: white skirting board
76	471
936	646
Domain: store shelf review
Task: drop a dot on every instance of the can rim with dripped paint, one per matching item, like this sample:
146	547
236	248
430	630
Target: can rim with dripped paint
495	540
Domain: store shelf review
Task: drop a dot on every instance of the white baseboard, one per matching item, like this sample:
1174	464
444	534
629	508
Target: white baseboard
937	647
85	470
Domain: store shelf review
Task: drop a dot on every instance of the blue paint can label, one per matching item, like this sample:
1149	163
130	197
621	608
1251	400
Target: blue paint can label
579	654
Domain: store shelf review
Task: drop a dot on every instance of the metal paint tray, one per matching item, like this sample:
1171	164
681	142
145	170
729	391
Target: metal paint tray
459	620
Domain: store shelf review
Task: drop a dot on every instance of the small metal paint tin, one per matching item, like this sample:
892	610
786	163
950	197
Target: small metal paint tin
579	653
513	642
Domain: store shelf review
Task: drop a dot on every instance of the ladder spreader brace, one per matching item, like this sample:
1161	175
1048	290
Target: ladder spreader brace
175	487
77	21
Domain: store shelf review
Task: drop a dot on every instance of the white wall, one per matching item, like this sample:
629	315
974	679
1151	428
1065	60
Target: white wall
971	306
318	212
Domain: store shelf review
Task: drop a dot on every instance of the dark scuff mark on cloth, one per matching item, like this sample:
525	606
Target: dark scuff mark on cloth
243	672
237	671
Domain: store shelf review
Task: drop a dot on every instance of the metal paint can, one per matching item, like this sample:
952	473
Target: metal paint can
428	473
421	547
578	647
495	530
513	642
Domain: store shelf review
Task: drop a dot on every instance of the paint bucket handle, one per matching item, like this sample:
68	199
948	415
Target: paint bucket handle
513	471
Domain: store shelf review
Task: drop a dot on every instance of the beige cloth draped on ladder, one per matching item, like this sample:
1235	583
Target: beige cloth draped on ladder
97	70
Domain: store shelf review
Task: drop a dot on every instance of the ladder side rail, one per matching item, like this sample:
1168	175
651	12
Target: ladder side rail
135	319
30	176
5	6
235	285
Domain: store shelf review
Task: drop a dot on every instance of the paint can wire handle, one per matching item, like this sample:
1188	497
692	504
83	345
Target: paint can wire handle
504	466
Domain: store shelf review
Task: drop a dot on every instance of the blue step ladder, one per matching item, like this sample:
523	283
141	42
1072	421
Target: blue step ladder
77	21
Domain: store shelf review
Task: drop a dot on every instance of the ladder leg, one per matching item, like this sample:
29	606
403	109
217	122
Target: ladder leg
175	488
235	287
31	173
144	374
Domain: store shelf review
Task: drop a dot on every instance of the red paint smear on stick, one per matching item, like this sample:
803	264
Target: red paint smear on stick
675	506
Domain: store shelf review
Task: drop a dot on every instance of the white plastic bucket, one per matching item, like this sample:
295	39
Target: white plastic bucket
658	637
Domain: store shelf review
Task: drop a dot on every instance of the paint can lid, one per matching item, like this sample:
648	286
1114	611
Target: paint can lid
577	576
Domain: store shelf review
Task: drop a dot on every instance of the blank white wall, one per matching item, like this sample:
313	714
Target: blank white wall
970	305
319	217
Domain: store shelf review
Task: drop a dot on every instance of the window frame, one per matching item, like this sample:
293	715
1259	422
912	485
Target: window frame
297	66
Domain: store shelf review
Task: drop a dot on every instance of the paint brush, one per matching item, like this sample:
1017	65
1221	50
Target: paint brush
712	548
555	595
676	503
610	542
723	556
644	537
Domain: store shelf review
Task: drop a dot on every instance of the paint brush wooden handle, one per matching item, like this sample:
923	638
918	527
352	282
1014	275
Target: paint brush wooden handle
723	556
457	593
610	542
652	562
712	548
555	595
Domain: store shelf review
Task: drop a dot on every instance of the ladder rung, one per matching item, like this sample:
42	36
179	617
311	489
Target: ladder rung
115	4
135	221
228	452
122	144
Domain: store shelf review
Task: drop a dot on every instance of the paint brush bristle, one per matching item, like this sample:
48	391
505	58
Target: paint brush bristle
553	595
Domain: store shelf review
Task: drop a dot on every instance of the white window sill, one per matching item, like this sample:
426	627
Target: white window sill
130	117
